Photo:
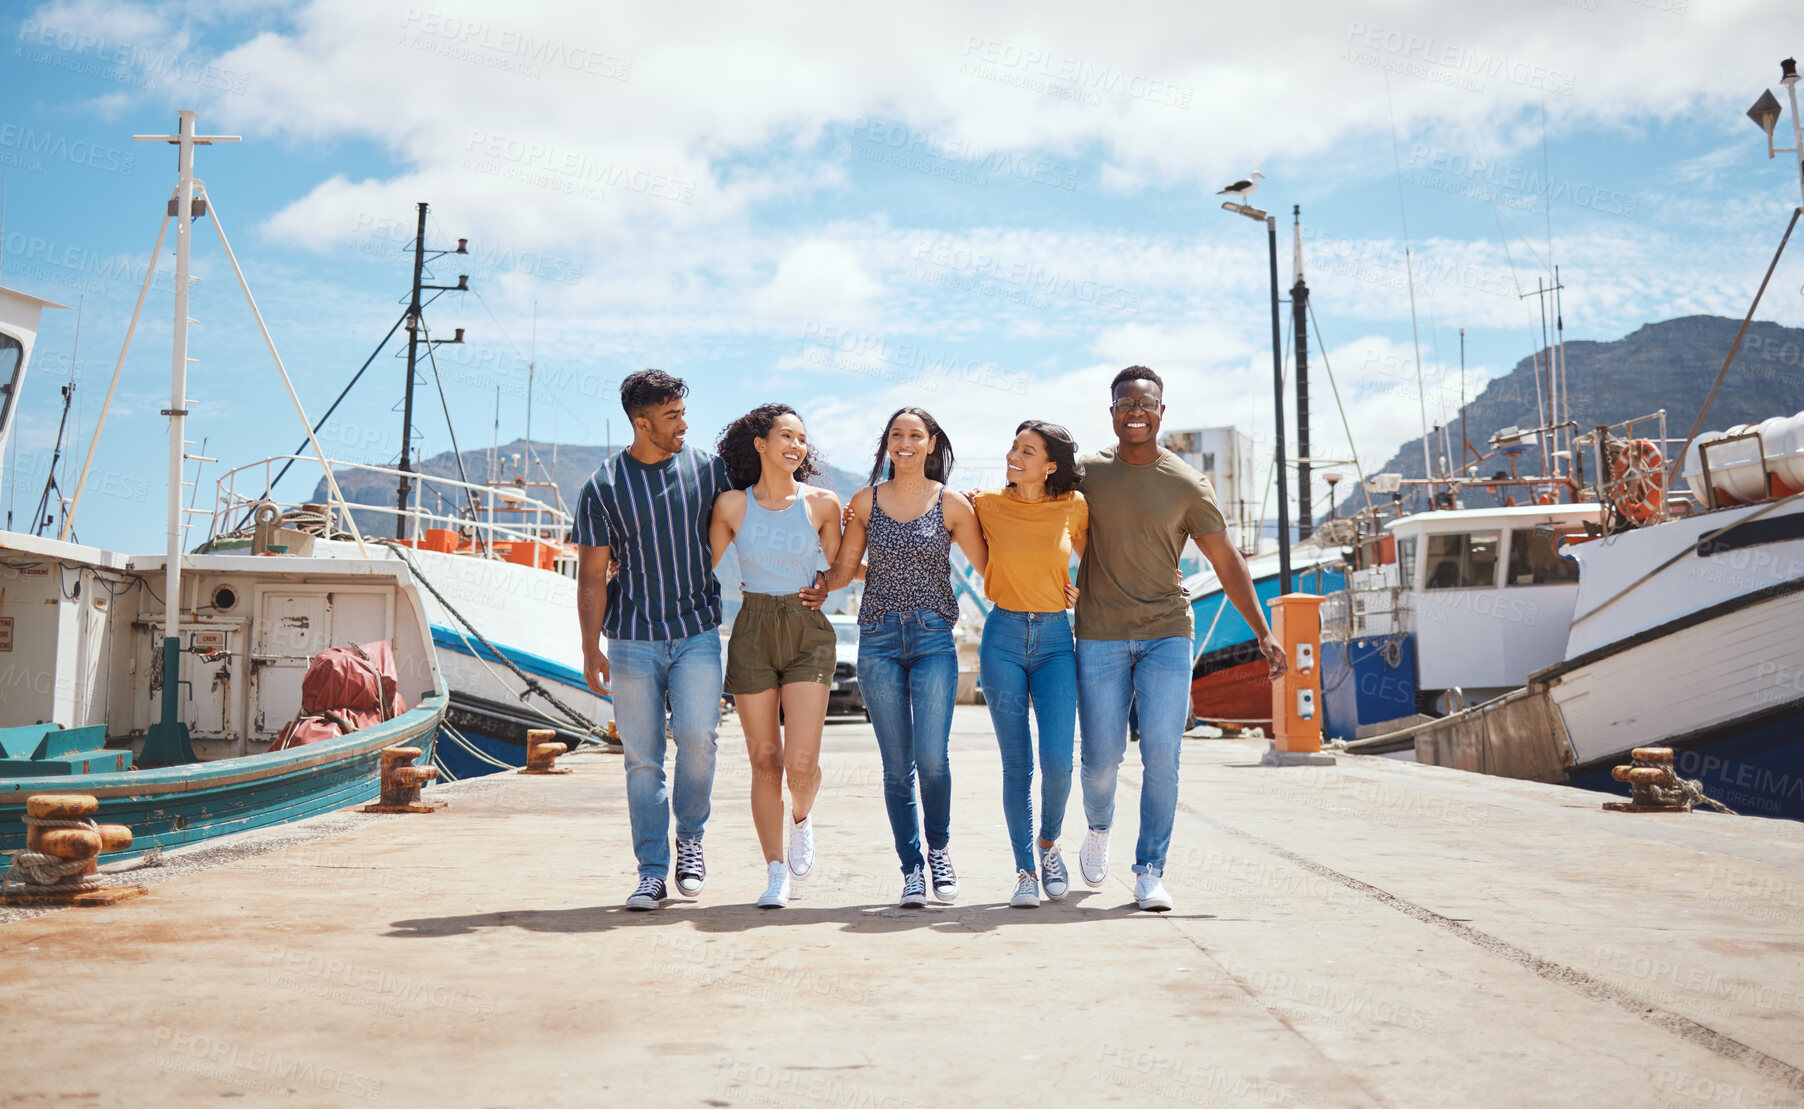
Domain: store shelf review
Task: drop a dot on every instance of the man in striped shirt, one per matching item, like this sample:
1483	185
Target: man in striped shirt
647	508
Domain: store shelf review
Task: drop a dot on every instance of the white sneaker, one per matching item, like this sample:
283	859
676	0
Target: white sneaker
1053	875
1149	894
776	894
945	879
1093	857
801	848
1027	891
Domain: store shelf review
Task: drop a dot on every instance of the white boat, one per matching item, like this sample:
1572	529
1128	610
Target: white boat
1683	634
500	597
1686	635
156	682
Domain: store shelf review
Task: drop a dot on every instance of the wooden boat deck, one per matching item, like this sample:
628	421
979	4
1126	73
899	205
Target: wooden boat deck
1368	933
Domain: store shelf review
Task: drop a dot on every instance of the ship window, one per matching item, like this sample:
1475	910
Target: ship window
1535	557
1406	562
1462	561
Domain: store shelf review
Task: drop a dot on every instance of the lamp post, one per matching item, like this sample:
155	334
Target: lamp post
1271	231
1332	480
1766	113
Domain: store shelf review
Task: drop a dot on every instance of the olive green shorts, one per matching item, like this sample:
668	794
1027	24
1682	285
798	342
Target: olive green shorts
777	642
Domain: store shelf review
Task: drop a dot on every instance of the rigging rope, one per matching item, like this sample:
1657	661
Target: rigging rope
532	684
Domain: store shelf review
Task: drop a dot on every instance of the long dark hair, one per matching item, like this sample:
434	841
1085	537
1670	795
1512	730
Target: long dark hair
939	460
1062	449
736	449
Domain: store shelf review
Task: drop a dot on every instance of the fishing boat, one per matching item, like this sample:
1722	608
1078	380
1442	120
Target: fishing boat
1683	635
493	557
499	582
1686	633
158	682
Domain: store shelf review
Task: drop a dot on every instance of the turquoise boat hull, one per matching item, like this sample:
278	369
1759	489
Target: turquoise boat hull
179	805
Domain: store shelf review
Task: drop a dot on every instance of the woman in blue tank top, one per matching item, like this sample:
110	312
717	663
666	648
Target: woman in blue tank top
781	656
907	668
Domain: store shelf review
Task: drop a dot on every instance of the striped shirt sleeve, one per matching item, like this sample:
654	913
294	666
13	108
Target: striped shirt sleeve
589	527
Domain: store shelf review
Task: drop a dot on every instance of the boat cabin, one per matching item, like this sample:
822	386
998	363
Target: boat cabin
1487	593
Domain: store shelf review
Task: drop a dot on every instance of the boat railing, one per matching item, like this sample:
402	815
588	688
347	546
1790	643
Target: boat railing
1369	602
1641	485
485	514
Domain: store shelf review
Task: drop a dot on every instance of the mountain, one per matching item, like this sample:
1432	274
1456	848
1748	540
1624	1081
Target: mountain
1668	365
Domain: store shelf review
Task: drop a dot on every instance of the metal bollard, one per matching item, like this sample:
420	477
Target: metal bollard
401	782
61	861
542	753
1652	785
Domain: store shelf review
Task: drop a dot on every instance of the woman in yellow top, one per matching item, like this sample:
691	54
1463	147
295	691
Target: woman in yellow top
1033	526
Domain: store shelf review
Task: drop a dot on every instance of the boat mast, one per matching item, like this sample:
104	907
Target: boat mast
532	358
413	351
167	743
1464	442
1299	308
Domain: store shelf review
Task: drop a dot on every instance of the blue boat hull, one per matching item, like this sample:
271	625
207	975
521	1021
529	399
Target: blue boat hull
482	736
1755	765
179	805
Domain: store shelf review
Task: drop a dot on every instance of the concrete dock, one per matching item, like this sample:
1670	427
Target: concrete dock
1366	934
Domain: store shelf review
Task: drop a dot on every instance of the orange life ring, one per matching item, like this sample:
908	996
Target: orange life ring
1635	468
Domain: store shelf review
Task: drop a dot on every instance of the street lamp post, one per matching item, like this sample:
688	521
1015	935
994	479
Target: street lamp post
1271	230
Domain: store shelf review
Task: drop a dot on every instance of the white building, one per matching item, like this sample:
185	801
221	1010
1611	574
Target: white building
1225	454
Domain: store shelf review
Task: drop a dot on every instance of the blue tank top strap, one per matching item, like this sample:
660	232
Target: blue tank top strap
908	564
779	550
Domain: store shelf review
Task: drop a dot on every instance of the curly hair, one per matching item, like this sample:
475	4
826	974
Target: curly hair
939	461
1137	373
736	449
1061	448
646	389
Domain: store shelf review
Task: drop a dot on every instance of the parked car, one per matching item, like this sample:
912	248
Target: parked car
844	697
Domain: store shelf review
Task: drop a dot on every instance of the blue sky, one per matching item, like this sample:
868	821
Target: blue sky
985	213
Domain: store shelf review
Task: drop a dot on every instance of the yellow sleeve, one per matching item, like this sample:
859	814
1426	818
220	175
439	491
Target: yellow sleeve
1077	520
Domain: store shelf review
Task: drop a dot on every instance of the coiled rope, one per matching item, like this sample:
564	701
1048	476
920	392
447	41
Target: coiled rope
41	873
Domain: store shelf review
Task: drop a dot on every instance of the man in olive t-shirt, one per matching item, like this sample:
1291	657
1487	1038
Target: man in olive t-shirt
1134	623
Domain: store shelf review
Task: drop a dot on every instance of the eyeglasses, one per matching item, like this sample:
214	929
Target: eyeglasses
1127	406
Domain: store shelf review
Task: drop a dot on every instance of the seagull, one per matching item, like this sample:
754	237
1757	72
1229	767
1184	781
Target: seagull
1243	189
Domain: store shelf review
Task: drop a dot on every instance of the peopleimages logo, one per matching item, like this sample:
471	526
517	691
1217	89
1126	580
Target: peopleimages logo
60	148
1458	63
526	49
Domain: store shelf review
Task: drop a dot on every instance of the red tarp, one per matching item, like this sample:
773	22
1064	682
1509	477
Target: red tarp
346	688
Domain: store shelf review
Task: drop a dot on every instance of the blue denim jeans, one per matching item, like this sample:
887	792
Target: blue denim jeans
908	672
644	673
1028	663
1154	674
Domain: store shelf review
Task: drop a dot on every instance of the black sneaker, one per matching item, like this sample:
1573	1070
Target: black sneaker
945	879
648	896
691	868
914	890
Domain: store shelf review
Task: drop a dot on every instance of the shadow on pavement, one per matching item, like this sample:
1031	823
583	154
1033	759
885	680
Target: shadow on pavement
981	917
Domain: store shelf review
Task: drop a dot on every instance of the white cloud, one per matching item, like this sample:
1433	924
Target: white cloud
816	279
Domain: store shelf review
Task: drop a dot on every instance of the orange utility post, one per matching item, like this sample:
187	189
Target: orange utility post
1297	696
